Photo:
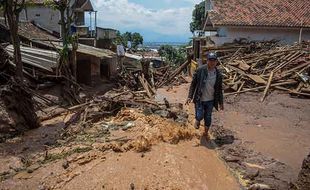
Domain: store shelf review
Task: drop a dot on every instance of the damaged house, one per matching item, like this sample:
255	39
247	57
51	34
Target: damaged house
89	33
256	20
93	64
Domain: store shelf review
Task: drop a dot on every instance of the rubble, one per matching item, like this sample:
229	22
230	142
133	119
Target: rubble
265	66
254	170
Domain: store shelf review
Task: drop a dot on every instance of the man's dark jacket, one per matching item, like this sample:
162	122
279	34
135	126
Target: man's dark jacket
195	91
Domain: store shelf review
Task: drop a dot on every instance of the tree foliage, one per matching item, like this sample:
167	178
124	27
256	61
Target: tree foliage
174	56
134	38
197	17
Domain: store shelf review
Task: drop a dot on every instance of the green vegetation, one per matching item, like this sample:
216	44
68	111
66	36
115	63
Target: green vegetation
134	38
172	55
53	157
198	17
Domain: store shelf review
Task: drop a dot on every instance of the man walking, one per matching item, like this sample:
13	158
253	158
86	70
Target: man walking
206	92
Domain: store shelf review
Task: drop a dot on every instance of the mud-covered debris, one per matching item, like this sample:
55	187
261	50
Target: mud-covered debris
303	181
65	164
255	169
258	186
222	136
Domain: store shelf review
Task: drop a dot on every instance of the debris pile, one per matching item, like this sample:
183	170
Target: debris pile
263	66
142	131
149	79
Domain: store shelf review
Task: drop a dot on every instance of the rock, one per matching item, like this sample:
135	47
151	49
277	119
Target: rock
251	173
258	186
147	111
162	113
222	136
230	158
33	167
65	164
128	126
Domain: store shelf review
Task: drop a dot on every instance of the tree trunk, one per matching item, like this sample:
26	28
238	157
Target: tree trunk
13	19
74	50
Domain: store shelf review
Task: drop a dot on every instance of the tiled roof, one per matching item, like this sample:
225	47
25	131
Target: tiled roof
30	31
273	13
85	5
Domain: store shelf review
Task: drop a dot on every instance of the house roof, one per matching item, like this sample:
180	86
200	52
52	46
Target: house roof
81	5
33	33
29	31
268	13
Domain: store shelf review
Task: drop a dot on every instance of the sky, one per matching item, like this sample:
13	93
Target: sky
156	20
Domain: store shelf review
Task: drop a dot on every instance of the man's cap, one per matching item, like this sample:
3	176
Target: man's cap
212	56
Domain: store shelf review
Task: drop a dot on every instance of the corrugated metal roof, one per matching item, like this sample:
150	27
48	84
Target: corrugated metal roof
43	59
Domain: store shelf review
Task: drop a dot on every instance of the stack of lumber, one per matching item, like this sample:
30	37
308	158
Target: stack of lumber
265	66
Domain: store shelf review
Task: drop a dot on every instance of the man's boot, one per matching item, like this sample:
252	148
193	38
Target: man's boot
197	124
207	133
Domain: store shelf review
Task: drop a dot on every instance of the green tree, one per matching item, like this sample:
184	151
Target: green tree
119	39
174	56
136	40
127	36
198	17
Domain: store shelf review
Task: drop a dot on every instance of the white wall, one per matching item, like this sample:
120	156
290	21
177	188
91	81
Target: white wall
44	16
285	35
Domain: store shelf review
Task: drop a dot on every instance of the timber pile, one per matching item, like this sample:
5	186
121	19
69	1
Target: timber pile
148	80
265	66
98	108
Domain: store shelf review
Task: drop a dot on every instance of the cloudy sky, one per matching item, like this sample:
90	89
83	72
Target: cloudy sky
156	20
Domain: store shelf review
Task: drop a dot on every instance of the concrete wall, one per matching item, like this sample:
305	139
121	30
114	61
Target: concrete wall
103	33
285	35
44	16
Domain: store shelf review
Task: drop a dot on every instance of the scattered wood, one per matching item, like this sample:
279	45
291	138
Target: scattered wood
263	65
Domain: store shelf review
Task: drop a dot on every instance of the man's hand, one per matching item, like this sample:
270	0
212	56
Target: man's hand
222	107
188	101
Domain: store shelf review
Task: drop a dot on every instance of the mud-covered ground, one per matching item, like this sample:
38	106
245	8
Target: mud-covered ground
271	139
253	144
137	149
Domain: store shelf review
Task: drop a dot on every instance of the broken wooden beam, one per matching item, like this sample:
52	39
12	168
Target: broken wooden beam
267	87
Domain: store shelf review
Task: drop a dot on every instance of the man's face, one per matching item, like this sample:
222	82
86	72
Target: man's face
212	63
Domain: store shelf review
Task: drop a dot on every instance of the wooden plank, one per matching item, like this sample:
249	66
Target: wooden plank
267	87
145	86
257	79
261	87
243	66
